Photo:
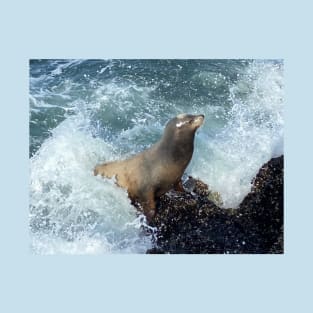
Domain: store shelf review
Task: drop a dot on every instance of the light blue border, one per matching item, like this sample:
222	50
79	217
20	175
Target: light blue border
162	29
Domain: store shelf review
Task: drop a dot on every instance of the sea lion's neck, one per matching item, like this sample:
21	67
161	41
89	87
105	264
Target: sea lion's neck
177	148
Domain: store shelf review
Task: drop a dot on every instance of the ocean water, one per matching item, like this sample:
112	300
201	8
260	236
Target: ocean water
84	112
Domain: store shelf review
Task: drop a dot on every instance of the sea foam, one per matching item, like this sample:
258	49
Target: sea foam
252	135
71	209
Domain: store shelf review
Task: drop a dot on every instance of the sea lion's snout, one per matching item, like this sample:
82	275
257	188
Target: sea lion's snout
198	120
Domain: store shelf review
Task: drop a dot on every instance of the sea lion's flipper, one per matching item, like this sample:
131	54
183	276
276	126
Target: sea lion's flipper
179	186
149	206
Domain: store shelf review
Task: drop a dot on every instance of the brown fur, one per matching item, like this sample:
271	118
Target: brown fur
155	171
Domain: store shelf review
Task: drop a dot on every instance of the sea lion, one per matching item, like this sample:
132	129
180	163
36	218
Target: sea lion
153	172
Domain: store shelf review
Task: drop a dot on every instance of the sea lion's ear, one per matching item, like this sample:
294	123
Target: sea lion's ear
179	124
180	120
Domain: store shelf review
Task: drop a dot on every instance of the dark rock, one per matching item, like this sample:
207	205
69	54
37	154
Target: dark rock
189	222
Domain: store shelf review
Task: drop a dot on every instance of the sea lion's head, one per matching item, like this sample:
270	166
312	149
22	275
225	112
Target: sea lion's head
183	127
188	121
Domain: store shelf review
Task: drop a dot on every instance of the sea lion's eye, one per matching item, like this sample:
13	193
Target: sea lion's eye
190	121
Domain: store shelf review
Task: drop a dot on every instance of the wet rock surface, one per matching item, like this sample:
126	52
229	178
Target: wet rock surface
190	222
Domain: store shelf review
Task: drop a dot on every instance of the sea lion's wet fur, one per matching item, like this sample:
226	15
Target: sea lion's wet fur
153	172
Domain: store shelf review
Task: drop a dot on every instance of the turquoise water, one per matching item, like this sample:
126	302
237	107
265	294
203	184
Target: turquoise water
83	112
